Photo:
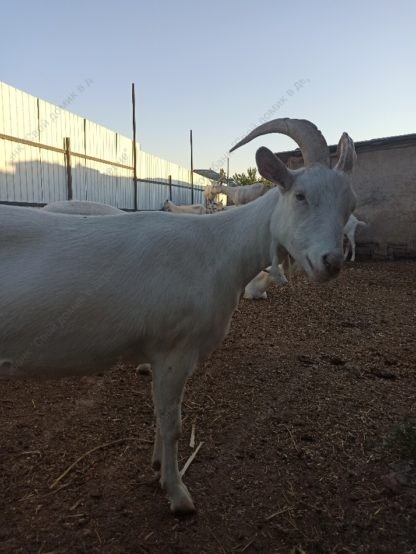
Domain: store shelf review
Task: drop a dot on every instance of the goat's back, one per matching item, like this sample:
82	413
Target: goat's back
76	292
84	207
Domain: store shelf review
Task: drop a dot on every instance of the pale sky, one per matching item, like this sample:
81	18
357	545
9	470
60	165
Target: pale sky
218	67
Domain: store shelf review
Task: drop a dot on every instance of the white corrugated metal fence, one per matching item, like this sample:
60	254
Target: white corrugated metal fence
34	160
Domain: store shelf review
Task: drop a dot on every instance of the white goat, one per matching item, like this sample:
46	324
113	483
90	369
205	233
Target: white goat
169	206
81	207
239	195
77	293
257	287
349	232
209	195
86	208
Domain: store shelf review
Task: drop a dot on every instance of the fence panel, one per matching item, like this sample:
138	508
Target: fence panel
33	160
152	195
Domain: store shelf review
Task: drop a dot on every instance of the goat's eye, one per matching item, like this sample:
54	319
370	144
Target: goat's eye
300	196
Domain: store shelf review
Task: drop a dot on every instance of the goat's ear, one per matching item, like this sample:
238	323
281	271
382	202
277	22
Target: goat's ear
273	169
346	154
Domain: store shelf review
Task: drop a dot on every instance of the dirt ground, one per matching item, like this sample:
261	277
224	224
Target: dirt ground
296	412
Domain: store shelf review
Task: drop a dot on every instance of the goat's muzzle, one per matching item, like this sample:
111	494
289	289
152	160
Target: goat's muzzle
332	263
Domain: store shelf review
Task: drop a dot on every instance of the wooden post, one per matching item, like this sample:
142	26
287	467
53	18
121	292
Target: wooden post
170	187
67	148
192	167
133	99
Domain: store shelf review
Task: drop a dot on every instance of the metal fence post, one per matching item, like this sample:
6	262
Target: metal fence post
67	148
170	187
192	166
133	99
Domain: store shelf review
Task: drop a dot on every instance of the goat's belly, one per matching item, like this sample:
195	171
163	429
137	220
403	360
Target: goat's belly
66	339
30	364
54	352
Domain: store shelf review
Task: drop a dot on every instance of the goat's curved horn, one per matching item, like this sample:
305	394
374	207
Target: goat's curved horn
346	154
309	138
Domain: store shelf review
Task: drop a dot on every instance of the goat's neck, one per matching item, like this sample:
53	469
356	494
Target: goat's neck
246	241
228	191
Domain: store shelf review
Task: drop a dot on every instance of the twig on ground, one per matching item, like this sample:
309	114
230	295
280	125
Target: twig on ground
192	439
282	511
71	467
292	438
190	459
217	541
250	542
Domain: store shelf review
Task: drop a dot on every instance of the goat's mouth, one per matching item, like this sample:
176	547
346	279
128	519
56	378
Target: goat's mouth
316	274
310	264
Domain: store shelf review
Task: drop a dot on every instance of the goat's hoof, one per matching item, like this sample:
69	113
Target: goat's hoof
182	503
144	369
156	464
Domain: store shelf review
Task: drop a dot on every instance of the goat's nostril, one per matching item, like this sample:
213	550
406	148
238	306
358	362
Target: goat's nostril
332	263
326	260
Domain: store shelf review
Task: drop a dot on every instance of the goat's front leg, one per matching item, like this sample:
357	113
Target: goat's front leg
274	268
353	250
347	249
168	385
157	447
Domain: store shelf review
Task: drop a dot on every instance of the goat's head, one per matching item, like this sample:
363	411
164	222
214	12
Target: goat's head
166	206
316	201
216	187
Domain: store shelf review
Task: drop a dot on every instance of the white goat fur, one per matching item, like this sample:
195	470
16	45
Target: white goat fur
209	195
81	207
87	208
349	232
257	287
77	293
196	209
240	195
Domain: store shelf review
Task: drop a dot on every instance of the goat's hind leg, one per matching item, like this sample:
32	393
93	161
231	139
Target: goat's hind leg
169	379
157	447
